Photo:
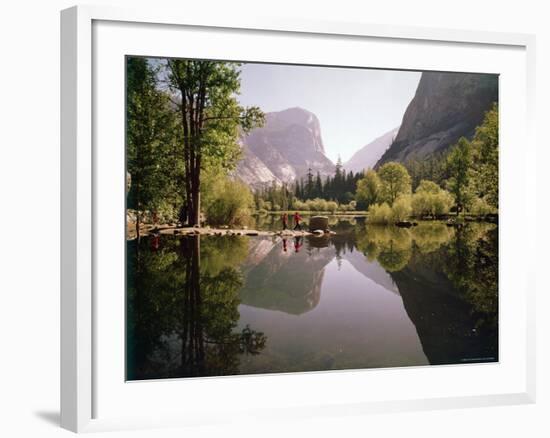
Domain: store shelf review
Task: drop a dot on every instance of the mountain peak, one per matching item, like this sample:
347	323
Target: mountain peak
288	145
445	107
293	116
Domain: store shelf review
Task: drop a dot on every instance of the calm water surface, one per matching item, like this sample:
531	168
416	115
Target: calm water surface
368	297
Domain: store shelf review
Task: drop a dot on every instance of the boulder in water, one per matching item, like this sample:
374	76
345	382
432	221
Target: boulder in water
318	223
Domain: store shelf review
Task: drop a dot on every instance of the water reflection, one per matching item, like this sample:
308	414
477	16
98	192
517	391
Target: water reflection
367	297
183	309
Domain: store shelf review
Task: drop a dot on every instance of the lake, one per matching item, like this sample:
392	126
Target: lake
368	297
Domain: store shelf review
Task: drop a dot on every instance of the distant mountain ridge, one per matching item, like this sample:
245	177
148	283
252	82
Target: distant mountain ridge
284	149
445	107
368	155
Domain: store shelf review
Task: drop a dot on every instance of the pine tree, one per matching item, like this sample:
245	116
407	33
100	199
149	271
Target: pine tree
309	184
318	186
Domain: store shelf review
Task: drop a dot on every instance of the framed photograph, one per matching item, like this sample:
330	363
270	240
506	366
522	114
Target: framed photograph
276	218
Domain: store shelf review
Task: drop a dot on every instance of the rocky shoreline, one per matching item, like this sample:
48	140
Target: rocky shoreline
172	229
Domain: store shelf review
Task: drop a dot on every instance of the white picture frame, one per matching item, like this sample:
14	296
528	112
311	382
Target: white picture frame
83	189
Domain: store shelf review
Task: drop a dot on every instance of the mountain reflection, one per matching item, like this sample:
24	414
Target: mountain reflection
289	281
369	296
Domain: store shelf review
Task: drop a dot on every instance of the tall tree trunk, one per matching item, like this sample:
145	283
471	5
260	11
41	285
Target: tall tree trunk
137	224
196	219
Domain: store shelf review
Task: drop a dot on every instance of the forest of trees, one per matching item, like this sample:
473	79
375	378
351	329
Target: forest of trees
461	179
183	126
313	192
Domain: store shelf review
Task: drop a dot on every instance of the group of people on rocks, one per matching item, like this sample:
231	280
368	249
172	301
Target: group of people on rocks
297	226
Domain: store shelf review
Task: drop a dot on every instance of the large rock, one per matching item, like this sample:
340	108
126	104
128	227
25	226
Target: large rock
318	223
446	106
253	171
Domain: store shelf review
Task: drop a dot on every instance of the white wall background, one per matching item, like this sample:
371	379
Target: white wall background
29	216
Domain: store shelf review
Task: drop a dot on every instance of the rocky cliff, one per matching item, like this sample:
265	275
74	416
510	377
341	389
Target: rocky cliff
446	106
283	149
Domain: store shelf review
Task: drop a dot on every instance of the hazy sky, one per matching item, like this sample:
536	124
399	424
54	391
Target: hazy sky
354	106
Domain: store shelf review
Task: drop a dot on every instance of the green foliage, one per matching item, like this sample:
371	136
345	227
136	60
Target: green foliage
263	205
394	181
332	206
485	150
317	204
441	203
348	207
226	201
275	195
428	187
340	187
468	170
460	162
473	168
430	199
384	214
401	209
368	189
206	95
432	168
210	118
300	206
480	207
380	213
150	133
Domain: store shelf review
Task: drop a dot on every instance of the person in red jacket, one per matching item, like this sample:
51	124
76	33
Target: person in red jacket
297	220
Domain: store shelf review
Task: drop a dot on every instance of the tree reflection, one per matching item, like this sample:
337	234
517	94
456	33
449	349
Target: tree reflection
430	236
469	257
390	245
183	309
472	265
